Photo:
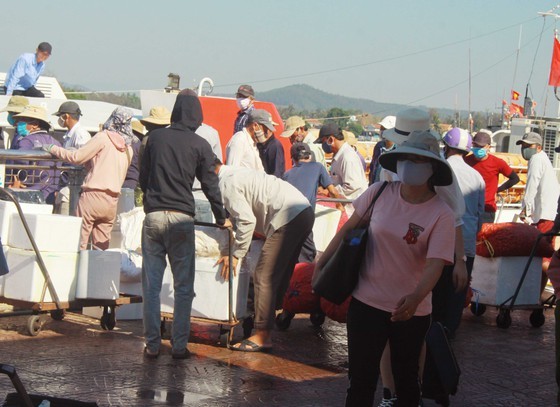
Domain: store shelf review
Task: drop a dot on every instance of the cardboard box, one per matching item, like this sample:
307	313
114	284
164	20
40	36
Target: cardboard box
25	280
494	280
7	209
99	275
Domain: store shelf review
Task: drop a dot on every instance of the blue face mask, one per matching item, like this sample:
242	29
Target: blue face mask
327	148
11	119
479	152
21	129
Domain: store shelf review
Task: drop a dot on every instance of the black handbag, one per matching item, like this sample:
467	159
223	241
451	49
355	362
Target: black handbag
338	277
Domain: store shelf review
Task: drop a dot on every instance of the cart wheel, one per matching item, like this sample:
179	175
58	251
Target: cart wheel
34	325
503	320
283	320
537	318
248	325
317	318
225	336
108	320
58	314
478	309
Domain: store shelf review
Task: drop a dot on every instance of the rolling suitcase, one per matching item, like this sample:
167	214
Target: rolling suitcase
441	371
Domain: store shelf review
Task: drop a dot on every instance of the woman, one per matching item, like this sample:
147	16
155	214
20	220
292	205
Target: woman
411	238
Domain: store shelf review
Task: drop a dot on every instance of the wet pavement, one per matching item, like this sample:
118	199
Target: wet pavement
75	358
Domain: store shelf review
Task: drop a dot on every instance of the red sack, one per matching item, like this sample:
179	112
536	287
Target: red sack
336	312
299	298
510	239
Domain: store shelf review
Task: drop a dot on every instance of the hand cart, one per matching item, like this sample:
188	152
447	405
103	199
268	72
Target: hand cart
56	308
505	307
226	326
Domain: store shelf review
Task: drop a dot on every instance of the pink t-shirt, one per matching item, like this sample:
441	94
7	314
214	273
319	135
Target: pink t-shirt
401	237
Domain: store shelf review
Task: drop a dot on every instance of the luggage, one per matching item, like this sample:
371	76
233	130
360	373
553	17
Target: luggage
441	371
22	398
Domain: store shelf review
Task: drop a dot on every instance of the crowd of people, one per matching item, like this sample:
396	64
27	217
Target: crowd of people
423	227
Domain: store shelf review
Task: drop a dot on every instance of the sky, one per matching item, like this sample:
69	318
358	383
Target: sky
414	53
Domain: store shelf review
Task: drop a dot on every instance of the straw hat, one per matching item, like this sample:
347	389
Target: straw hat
158	115
292	123
424	144
350	138
137	127
16	104
34	112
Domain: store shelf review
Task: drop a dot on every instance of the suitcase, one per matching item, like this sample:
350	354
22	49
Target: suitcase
23	399
441	371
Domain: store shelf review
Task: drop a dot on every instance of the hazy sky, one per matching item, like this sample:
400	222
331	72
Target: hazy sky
408	52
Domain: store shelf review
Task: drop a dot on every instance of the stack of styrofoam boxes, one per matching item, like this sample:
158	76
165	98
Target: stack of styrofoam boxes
57	238
125	204
99	275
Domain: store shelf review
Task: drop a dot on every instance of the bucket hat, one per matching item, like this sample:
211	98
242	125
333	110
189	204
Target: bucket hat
292	123
137	127
158	115
34	112
406	122
350	138
16	104
459	139
424	144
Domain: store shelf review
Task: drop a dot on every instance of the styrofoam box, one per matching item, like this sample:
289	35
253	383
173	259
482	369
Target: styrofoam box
2	277
99	275
7	209
211	299
496	279
324	228
25	280
124	312
52	233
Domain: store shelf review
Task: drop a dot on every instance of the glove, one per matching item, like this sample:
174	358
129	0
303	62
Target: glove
47	147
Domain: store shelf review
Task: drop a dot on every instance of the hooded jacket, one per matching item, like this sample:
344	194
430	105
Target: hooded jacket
173	157
106	159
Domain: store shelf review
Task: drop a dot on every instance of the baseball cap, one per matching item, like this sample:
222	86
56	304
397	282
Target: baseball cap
68	107
530	138
481	139
45	47
388	122
329	129
246	90
261	116
300	151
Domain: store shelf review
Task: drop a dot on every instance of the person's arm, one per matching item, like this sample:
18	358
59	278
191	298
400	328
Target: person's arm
279	162
17	72
534	175
481	202
144	159
513	179
333	193
84	154
460	275
234	152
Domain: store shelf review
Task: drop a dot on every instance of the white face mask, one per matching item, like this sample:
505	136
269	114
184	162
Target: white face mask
259	134
61	121
243	104
412	173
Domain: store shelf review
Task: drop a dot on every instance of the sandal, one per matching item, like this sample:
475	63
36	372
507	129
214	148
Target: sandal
150	354
249	346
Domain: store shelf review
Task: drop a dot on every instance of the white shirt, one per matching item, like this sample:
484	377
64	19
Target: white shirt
257	202
241	151
76	137
316	149
542	190
211	135
348	173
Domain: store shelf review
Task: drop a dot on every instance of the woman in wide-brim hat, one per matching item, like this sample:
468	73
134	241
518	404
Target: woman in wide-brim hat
411	237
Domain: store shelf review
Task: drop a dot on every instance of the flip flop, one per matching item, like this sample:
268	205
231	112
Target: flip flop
249	346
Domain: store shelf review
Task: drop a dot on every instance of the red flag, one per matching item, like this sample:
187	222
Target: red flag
514	95
554	78
516	110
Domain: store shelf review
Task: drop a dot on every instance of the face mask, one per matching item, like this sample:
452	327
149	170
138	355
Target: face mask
327	148
21	129
479	152
61	121
243	104
412	173
527	153
11	119
259	134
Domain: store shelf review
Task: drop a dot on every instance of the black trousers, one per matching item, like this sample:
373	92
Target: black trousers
31	92
369	329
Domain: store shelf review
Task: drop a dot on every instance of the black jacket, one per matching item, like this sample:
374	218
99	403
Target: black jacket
173	157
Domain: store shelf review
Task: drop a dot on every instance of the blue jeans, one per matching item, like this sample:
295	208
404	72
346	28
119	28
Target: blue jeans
167	233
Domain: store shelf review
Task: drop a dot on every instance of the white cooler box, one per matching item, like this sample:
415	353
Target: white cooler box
2	278
7	209
324	228
52	233
25	280
211	300
496	279
122	312
99	275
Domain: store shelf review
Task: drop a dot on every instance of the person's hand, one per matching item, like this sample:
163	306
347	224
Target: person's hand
224	261
406	307
227	224
17	183
460	275
340	206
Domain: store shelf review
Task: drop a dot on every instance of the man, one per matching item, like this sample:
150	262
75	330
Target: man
245	99
381	147
171	160
346	168
265	204
23	74
15	105
447	303
490	167
296	130
241	150
307	176
69	117
271	152
32	125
